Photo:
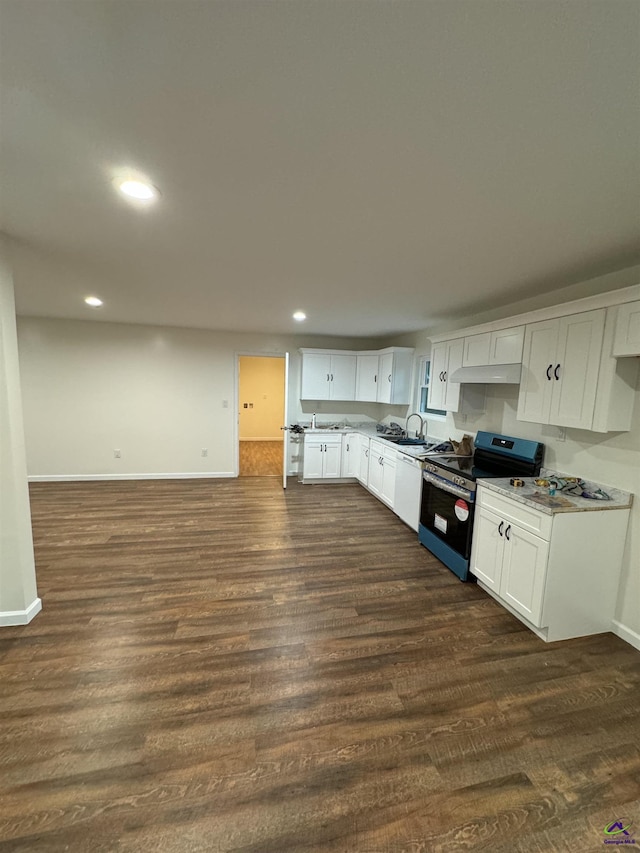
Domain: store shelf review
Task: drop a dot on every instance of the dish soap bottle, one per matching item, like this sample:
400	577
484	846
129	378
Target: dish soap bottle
313	421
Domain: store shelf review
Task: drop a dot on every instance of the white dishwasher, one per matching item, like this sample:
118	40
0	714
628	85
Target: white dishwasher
408	490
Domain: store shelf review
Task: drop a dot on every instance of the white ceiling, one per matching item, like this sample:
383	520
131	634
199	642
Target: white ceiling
380	165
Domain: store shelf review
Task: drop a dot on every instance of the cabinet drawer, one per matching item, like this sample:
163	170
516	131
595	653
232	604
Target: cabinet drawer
526	517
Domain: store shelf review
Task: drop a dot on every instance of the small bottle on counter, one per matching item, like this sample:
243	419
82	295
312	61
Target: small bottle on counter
552	488
313	421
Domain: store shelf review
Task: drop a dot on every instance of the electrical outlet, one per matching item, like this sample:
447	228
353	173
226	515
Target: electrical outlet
117	454
205	451
225	404
562	433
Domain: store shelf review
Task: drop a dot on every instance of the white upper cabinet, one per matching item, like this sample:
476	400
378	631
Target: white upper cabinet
627	334
560	366
328	376
574	371
367	377
446	357
382	376
501	347
397	363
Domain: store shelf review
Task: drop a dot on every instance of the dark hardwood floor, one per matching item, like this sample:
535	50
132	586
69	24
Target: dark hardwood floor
220	666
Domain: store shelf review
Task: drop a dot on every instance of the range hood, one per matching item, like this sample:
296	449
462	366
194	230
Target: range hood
488	374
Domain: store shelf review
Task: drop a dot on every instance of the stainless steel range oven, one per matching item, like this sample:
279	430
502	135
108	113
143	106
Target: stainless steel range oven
449	493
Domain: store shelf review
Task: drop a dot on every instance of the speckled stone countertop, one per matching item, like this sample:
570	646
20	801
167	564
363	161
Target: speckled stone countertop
537	497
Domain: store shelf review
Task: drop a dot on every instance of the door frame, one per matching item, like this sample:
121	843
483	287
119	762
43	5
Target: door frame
236	400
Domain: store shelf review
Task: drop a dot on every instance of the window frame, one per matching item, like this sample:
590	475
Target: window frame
421	386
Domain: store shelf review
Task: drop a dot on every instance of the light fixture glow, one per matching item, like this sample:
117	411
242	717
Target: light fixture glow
299	316
93	301
138	190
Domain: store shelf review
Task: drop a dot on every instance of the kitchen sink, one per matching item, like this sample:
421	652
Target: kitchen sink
403	441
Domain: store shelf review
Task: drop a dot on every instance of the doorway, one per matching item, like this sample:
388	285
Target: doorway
261	406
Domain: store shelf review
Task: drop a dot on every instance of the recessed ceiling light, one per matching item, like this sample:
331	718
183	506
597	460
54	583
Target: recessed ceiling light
93	301
138	190
299	316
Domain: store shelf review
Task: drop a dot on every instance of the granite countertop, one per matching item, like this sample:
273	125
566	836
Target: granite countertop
537	497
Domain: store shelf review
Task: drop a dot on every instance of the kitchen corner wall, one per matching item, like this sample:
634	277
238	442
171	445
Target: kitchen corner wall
156	394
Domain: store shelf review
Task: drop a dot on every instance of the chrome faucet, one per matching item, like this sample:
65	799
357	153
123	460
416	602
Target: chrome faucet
420	433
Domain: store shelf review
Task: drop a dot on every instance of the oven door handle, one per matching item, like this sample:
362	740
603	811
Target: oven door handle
446	486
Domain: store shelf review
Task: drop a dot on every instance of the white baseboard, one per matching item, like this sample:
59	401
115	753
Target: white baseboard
626	634
20	617
264	438
194	475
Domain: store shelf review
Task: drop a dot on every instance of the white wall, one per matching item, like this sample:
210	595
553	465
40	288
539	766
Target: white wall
19	600
155	393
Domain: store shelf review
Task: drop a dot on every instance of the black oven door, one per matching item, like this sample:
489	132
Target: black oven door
446	522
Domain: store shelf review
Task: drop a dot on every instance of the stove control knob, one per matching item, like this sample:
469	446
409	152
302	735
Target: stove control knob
459	481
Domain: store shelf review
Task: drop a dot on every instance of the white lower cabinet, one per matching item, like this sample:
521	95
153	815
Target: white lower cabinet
557	572
322	457
351	455
512	562
363	471
382	472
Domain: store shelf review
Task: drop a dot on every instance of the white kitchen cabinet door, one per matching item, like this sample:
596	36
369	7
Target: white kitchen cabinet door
627	335
351	455
438	387
538	362
487	548
312	468
375	471
446	357
524	569
560	366
363	474
332	462
506	346
575	371
501	347
342	371
385	377
388	486
316	376
367	378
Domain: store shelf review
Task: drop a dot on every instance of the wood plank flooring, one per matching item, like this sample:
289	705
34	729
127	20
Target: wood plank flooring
261	459
220	666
